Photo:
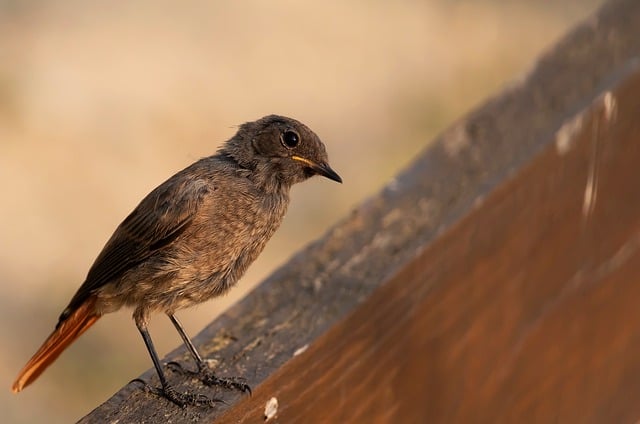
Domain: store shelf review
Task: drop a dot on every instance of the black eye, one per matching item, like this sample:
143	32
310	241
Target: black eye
290	139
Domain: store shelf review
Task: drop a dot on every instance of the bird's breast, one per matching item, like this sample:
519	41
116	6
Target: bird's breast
228	238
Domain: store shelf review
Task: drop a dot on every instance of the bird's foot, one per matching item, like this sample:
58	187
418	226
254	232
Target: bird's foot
231	383
181	399
207	377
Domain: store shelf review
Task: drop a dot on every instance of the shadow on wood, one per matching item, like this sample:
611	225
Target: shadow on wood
494	280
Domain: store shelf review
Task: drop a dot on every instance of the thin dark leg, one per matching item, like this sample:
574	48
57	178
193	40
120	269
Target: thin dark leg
180	399
187	341
205	374
154	355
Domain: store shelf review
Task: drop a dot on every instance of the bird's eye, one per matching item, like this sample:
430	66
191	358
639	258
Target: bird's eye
290	139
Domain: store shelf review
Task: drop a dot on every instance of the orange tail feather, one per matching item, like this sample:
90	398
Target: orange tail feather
69	330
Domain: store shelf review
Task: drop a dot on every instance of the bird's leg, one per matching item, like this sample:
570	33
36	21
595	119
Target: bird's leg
167	391
204	373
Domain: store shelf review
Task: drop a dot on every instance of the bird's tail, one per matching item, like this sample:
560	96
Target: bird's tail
64	334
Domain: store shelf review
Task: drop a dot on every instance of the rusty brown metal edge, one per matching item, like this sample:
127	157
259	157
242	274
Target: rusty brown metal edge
327	280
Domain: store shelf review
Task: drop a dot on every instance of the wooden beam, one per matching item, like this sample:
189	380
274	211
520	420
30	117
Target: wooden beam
525	311
494	279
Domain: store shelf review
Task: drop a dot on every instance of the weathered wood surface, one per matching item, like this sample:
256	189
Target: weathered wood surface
526	311
493	280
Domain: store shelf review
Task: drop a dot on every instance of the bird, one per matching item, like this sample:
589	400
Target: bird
190	240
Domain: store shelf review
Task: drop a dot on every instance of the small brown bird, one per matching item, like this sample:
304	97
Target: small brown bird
191	239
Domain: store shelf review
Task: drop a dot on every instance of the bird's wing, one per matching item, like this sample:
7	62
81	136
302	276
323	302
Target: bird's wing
157	221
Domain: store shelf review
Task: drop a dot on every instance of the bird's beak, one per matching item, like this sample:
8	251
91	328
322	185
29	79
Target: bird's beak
321	168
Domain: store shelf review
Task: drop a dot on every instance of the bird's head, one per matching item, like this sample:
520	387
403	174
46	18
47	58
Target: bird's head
280	149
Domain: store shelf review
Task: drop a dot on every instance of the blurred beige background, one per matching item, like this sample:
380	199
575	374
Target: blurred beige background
101	101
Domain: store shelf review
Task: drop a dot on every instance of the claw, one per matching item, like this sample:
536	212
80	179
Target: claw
231	383
209	379
181	399
139	380
175	366
187	399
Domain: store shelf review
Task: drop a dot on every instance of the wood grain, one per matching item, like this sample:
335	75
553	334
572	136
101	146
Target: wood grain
478	285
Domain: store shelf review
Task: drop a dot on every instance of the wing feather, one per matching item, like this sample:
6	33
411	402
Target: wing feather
153	225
